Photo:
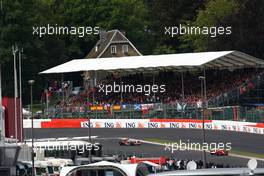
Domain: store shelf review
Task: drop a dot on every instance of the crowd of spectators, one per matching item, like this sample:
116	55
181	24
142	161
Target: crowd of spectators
217	83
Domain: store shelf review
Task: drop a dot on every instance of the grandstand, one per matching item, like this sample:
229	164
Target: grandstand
232	90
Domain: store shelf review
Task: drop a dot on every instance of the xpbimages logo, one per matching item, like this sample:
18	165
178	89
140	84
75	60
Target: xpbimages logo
80	31
125	88
212	31
196	146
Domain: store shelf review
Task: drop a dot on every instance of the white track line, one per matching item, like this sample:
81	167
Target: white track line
230	154
62	138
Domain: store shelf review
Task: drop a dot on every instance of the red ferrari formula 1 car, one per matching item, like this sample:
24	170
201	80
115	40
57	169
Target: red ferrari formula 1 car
129	142
219	152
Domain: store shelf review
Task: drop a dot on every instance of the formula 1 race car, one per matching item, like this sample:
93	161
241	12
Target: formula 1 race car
219	152
129	142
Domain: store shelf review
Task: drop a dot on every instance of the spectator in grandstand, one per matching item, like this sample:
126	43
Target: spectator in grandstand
218	83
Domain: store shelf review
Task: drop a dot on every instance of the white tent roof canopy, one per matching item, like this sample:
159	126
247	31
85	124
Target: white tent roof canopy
177	62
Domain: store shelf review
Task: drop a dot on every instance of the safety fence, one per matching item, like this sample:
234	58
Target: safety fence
248	127
158	110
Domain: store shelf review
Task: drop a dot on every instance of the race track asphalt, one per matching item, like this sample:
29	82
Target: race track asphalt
245	142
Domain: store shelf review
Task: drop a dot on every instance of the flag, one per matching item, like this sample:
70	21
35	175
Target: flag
181	107
100	108
147	106
94	108
116	107
199	104
137	107
184	106
124	106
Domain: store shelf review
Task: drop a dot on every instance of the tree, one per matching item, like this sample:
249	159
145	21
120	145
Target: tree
130	16
167	14
244	16
19	17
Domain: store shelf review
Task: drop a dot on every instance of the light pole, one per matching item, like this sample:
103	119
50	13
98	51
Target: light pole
47	102
31	83
182	86
1	108
20	94
15	49
203	95
89	127
2	133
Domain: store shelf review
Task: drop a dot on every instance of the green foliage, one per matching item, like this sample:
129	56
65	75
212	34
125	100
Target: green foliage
18	18
216	13
244	16
164	49
126	15
170	13
142	20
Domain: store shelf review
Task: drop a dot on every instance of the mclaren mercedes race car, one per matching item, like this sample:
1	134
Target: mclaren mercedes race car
219	152
129	142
